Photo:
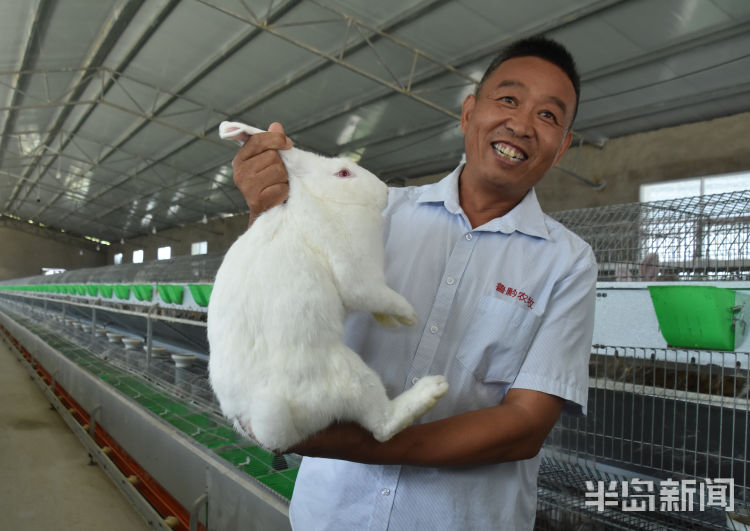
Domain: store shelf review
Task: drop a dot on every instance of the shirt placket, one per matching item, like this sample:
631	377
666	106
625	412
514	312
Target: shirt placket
384	497
428	344
436	321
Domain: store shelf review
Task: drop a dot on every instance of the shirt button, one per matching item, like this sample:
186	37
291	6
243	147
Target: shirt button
415	380
468	236
434	329
450	281
385	492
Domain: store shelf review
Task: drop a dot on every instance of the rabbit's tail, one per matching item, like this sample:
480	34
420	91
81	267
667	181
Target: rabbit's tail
272	423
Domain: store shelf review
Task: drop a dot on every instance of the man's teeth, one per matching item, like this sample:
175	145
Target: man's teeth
509	152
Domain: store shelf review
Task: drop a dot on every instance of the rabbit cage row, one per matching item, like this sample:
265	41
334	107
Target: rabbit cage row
128	343
662	412
665	441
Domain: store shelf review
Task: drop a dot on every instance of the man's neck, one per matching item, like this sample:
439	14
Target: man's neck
481	205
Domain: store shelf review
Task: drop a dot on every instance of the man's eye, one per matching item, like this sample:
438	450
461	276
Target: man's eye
507	99
549	116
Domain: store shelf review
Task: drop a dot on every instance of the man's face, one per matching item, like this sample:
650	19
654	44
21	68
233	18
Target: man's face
517	127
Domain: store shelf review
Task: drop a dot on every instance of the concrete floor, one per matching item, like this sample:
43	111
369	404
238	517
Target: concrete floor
47	481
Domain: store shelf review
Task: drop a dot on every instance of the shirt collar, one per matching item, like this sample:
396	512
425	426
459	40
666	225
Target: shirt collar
526	217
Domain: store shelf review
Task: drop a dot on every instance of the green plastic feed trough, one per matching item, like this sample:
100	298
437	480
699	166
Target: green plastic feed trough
122	291
201	293
105	291
143	292
170	293
695	316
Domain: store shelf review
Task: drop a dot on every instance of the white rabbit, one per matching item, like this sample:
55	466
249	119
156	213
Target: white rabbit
278	364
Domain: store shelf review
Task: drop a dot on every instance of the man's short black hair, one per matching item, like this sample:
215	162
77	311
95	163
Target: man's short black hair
543	48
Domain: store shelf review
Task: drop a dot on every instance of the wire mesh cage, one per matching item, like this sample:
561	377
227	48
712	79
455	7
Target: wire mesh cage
656	417
198	268
180	396
693	238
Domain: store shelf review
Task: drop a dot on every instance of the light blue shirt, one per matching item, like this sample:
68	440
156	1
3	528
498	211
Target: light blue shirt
508	304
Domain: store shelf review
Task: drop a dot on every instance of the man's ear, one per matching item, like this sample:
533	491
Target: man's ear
563	147
466	108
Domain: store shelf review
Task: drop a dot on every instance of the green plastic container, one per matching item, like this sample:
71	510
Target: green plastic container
695	316
122	291
201	293
143	292
106	291
81	289
92	290
170	293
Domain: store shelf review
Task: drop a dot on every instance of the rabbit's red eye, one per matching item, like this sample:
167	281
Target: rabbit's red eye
343	173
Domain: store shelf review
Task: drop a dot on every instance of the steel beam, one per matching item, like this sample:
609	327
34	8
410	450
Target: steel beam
113	28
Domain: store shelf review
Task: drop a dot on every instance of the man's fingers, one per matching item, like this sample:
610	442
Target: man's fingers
256	163
276	127
262	188
272	195
260	142
259	171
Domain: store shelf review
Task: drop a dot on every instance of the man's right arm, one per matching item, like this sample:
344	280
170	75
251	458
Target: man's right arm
259	173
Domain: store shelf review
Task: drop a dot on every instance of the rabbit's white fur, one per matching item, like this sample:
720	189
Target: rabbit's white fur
278	365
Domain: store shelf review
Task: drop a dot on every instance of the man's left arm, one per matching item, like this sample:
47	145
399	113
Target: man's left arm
555	371
510	431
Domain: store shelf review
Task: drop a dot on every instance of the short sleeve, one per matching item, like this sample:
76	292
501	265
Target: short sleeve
558	357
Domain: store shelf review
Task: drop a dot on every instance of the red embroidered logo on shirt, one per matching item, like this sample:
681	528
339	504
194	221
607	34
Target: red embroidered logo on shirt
514	293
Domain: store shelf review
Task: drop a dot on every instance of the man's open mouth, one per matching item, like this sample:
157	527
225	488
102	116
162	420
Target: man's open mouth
509	152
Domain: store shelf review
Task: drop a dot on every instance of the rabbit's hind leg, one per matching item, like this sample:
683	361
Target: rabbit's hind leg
383	417
356	393
412	404
271	423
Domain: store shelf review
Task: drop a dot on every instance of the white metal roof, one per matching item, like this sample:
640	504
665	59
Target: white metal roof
109	109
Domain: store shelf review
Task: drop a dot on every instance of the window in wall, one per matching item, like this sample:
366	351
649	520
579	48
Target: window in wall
138	256
199	248
118	258
52	270
715	184
164	253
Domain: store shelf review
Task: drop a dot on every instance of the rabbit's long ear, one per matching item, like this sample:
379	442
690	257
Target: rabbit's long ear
237	132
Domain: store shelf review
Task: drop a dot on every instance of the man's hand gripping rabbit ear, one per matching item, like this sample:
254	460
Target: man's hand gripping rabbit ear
259	173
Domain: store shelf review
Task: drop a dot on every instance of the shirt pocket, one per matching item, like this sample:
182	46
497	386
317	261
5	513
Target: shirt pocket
497	339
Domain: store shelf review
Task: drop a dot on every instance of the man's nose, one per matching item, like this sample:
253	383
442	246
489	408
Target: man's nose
519	123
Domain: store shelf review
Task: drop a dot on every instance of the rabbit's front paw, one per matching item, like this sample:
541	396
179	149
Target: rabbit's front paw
391	321
385	320
407	319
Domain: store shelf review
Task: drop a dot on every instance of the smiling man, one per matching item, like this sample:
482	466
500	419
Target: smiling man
504	296
516	127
